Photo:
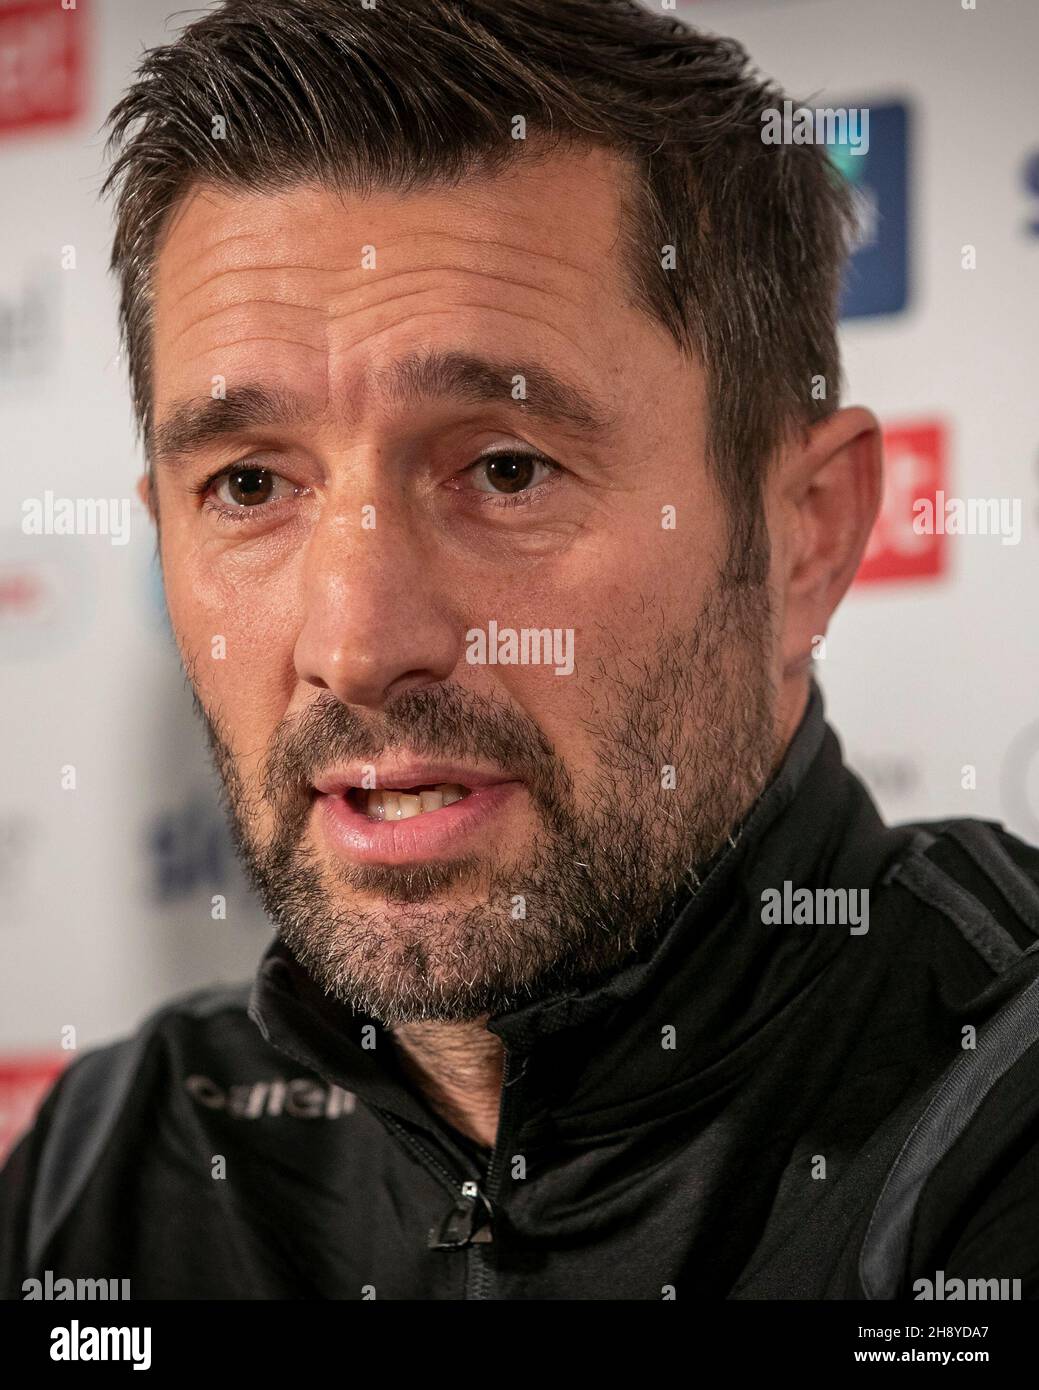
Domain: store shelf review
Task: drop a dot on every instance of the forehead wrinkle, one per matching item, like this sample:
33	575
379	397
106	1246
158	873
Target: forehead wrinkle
254	268
332	307
535	252
238	304
207	252
400	238
265	338
574	347
533	288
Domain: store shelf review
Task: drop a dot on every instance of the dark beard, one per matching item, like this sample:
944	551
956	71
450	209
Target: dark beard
595	886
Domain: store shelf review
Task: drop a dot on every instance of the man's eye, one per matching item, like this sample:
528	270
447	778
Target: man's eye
250	487
509	472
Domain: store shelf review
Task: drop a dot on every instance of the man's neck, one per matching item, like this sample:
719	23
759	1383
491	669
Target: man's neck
458	1068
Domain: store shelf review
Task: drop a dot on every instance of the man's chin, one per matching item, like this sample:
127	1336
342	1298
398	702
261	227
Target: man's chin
405	963
404	943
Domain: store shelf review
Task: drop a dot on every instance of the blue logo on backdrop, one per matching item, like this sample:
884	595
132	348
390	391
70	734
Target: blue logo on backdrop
877	277
189	849
1031	180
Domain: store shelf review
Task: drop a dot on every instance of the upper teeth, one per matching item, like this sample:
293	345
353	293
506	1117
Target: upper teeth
385	805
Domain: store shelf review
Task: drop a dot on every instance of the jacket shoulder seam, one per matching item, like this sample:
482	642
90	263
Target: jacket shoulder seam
935	886
951	1105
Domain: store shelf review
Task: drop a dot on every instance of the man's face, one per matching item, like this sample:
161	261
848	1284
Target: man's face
477	433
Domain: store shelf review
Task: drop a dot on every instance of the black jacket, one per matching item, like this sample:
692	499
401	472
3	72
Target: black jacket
750	1111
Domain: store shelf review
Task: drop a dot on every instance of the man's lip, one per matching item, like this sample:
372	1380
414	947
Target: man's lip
464	824
400	776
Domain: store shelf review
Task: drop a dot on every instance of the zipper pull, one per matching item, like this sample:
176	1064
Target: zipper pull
468	1221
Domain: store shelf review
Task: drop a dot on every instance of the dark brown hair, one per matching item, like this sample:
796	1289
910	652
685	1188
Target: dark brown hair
410	93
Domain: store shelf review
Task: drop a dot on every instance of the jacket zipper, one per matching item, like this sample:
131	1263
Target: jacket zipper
464	1189
478	1278
469	1225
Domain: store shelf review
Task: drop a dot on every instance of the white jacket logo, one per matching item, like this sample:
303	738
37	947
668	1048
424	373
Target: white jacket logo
302	1098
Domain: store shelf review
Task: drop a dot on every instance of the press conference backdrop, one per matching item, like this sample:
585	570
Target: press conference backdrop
112	845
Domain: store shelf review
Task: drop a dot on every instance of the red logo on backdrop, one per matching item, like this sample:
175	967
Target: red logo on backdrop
915	466
42	63
23	1083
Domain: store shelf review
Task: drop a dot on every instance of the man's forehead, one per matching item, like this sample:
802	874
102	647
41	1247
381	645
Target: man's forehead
246	279
567	206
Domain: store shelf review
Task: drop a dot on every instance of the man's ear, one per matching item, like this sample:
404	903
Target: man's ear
145	493
833	489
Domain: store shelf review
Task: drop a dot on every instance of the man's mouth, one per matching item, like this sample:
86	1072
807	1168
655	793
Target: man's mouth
444	813
415	811
401	803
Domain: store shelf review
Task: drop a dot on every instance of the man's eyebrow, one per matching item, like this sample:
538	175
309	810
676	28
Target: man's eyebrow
531	388
479	380
193	424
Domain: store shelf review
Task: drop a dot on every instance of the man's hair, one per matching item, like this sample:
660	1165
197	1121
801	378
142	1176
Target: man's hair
414	93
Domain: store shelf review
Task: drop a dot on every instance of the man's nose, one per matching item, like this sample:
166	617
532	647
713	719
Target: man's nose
373	625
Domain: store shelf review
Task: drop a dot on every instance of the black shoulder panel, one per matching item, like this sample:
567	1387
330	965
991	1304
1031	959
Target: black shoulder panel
952	1105
984	881
90	1096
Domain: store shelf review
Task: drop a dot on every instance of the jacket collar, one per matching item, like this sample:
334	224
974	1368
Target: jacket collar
715	974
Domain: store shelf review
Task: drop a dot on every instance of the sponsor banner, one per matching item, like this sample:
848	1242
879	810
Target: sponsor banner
877	278
46	596
915	468
24	1081
42	64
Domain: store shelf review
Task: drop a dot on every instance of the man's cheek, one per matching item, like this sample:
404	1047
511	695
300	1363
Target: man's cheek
563	708
220	623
